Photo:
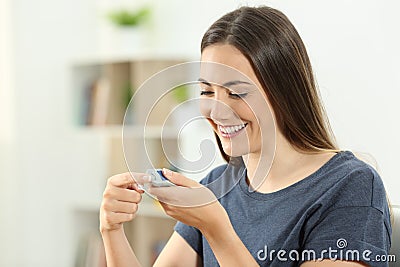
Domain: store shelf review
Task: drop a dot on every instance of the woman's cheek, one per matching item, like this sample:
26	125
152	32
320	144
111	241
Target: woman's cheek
205	107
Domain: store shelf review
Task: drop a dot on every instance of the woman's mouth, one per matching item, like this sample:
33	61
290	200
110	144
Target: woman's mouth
231	131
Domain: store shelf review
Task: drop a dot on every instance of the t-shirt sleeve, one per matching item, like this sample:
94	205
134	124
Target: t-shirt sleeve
192	236
356	227
351	233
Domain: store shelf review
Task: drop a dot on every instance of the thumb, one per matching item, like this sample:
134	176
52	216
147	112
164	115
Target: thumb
179	179
141	178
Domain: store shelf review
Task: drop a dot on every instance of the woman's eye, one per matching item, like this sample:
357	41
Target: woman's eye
237	95
232	95
206	92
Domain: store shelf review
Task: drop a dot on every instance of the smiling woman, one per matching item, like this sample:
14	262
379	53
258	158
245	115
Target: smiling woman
296	195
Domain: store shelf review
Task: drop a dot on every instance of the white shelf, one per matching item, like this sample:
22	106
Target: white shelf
152	132
103	141
99	59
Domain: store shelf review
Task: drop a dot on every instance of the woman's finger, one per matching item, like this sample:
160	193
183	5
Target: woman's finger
124	180
123	194
165	194
179	179
120	207
183	196
141	178
113	218
128	180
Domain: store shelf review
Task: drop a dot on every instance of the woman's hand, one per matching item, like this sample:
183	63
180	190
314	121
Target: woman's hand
195	205
120	200
190	202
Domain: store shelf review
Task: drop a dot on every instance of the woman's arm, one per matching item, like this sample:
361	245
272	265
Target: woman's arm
120	203
227	246
331	263
118	251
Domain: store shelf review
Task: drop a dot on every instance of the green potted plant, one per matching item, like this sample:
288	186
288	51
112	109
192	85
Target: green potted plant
129	18
129	32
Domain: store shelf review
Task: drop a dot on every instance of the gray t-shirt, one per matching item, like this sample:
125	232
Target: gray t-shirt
338	212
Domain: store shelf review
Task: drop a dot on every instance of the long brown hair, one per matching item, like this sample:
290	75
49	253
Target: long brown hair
270	42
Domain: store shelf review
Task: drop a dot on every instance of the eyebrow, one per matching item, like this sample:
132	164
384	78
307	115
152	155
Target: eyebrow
227	84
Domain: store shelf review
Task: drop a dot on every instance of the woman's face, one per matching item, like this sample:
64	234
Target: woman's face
233	101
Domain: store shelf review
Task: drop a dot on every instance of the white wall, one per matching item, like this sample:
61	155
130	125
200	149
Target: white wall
354	50
9	202
352	45
55	167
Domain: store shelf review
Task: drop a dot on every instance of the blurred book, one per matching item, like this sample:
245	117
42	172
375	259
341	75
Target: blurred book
99	102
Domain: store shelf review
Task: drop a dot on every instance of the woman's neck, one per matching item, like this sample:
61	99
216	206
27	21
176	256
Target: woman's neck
274	170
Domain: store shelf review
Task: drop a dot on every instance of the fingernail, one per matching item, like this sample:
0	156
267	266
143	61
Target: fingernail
167	172
141	188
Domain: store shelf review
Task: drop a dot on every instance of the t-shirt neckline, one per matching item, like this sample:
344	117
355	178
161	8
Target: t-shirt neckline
283	192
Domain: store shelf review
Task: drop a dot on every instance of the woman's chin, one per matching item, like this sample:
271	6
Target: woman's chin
234	152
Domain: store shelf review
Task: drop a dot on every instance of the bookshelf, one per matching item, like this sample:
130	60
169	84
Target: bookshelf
101	90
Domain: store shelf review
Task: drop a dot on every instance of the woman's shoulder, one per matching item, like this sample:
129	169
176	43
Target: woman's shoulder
357	183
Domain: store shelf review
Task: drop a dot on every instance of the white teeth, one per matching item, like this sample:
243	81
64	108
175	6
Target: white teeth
231	129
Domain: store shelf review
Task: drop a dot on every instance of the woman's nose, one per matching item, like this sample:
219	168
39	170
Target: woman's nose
220	110
216	107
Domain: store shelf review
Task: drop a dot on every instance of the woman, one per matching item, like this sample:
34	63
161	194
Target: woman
313	206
